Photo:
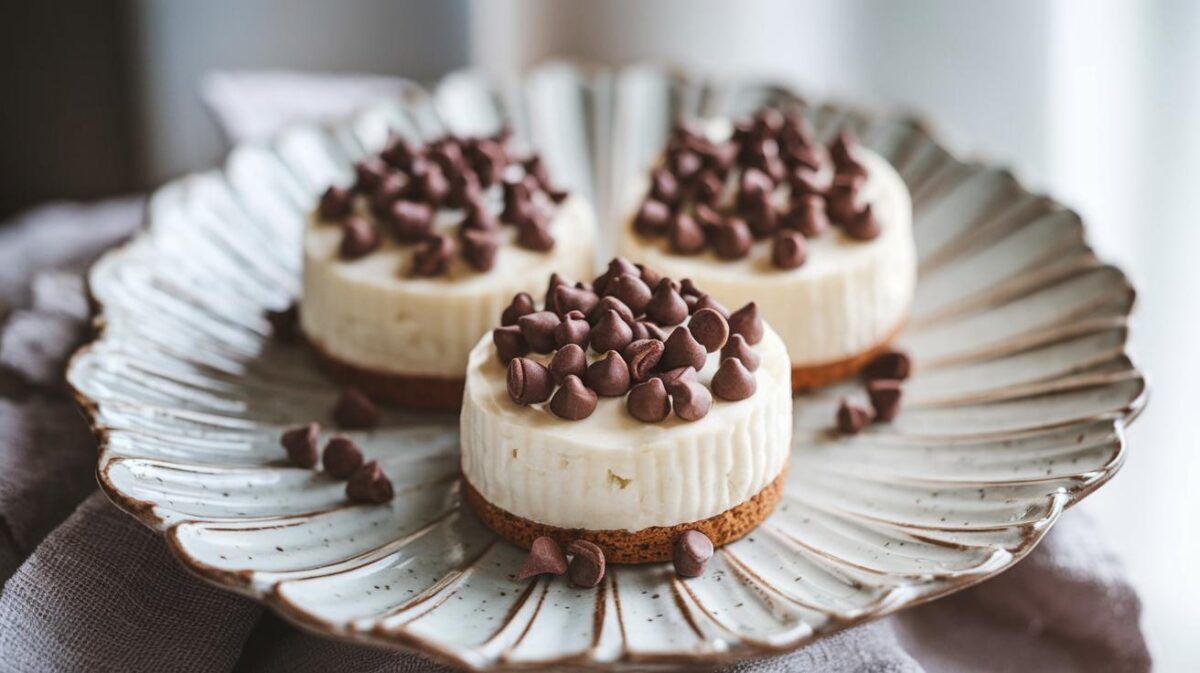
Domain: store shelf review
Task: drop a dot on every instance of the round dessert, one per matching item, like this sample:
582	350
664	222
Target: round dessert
820	237
624	413
404	270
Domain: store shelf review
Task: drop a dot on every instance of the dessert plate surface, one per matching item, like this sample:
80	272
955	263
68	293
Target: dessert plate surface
1015	412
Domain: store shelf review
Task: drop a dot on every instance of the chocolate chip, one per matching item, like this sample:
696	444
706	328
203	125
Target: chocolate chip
556	281
648	401
611	333
885	398
682	350
753	185
710	329
737	347
686	237
685	164
733	381
691	554
761	216
335	203
521	304
566	299
432	256
862	226
804	183
431	182
359	238
789	250
370	484
666	306
807	216
478	217
639	330
573	400
691	400
616	267
841	202
355	410
516	201
608	376
285	324
890	364
567	361
509	342
732	239
678	375
538	330
643	357
545	558
411	220
842	146
708	188
852	416
528	382
631	291
368	173
390	188
649	276
707	301
479	249
487	158
611	304
398	152
533	233
664	187
574	329
746	321
587	564
535	168
652	330
688	289
301	444
341	457
652	218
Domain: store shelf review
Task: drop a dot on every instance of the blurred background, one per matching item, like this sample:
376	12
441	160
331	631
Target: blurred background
1094	101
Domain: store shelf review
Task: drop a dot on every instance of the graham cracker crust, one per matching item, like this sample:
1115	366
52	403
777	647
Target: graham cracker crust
814	376
427	393
648	545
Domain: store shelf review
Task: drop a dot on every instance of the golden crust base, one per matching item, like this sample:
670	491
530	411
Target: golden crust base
814	376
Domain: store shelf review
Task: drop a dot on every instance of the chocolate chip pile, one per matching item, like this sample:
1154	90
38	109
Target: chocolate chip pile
883	375
765	182
586	568
400	191
623	317
341	459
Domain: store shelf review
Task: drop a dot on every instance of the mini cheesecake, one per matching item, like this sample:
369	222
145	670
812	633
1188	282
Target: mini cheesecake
821	237
625	412
406	268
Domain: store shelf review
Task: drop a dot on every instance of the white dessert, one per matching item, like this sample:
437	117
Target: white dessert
610	471
372	313
848	297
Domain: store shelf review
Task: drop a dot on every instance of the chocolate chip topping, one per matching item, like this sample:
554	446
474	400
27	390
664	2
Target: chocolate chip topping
737	347
666	306
534	234
521	304
341	457
807	216
398	153
885	397
652	218
682	350
411	221
664	187
640	330
746	321
863	225
648	401
608	376
528	382
691	553
649	276
733	381
509	342
732	239
653	331
677	376
538	330
841	201
890	364
355	410
686	237
631	291
587	564
789	250
611	333
573	400
432	256
301	444
761	217
570	360
688	289
643	357
359	238
573	329
335	203
691	400
479	249
368	174
610	304
710	329
566	298
370	484
545	558
707	301
852	416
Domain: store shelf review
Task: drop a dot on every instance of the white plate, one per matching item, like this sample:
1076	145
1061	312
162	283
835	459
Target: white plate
1016	410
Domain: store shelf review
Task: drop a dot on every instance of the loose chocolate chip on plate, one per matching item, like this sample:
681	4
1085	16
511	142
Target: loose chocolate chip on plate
573	400
686	237
335	203
682	350
746	321
509	342
691	400
432	256
479	249
691	554
608	376
710	329
648	401
733	381
545	558
569	360
611	333
370	484
538	330
890	364
587	564
355	410
666	306
285	324
852	416
789	250
341	457
885	398
737	347
359	238
574	329
643	357
528	382
301	444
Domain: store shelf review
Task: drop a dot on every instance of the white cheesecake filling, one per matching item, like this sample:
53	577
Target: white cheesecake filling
847	297
610	471
372	313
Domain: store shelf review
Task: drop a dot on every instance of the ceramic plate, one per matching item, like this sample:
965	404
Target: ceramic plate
1016	410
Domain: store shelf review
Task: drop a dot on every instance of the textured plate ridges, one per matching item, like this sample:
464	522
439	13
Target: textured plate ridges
1015	412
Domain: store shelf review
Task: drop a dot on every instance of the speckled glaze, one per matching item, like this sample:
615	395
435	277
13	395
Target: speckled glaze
1015	411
